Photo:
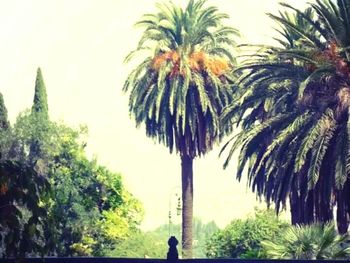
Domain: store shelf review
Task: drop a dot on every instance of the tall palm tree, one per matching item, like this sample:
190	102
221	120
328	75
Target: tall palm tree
294	105
179	89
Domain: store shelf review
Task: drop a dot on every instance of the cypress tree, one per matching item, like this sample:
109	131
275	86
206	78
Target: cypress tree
4	123
40	97
40	119
4	130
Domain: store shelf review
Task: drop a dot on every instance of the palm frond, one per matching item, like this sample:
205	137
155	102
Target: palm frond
319	150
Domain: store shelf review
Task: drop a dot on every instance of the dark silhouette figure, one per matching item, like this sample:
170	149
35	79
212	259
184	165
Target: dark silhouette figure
172	255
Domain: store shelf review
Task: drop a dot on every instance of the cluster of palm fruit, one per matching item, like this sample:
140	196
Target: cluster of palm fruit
198	61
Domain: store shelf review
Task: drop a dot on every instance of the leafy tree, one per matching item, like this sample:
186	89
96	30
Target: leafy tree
201	234
180	88
23	193
88	208
40	105
22	212
26	130
141	245
4	123
294	108
315	241
153	244
5	130
91	209
243	238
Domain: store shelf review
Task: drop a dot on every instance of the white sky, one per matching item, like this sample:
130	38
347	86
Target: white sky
80	46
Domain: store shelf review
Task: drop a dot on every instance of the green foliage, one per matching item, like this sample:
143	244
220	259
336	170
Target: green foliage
242	238
23	197
23	214
308	242
91	207
40	120
32	142
40	105
201	233
53	199
4	123
154	244
141	245
5	131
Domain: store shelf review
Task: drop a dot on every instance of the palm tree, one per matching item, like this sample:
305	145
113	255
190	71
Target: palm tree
178	91
309	242
294	106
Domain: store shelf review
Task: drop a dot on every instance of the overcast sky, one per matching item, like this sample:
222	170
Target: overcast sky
80	46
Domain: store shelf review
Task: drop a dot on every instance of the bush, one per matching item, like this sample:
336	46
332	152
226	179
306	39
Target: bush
242	238
315	241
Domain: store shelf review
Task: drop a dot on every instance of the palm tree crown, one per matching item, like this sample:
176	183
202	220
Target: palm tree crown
179	90
294	105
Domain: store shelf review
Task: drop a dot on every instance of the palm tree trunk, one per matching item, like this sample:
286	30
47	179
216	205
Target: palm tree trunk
342	221
187	205
326	203
309	208
294	207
